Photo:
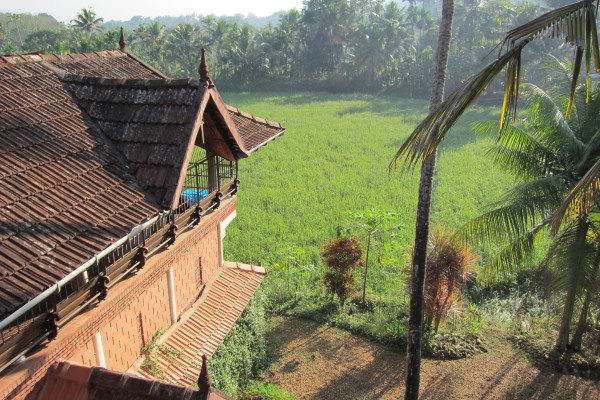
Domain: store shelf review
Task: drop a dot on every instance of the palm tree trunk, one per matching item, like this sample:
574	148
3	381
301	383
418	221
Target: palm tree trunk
567	316
364	296
565	322
582	323
415	318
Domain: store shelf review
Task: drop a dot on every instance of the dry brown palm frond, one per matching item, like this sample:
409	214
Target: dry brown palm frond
450	264
581	198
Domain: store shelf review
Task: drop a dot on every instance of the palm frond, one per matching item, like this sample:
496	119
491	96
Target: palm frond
570	256
553	127
431	131
576	69
580	199
524	206
568	23
520	162
511	257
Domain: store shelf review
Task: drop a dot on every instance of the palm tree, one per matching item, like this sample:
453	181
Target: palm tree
15	18
577	25
550	153
415	316
184	43
86	21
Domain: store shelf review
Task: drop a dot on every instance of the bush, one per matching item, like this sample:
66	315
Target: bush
262	391
342	256
243	354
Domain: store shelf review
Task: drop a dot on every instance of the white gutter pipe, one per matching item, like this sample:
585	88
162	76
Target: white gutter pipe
54	288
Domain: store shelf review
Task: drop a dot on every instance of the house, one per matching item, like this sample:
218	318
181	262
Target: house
116	188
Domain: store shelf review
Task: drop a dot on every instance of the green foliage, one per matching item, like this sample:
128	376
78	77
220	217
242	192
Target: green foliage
335	45
342	256
258	390
243	353
150	351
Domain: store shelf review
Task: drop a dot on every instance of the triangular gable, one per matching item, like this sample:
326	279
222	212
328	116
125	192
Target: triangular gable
150	121
213	130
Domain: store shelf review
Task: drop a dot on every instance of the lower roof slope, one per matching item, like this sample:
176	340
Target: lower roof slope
67	380
221	304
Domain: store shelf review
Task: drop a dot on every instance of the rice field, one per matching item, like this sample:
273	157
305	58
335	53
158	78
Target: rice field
301	189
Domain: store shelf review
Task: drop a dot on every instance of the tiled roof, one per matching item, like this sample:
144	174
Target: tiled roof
150	122
67	380
223	301
91	145
65	190
255	131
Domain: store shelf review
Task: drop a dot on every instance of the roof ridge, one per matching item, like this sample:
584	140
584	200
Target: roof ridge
35	57
149	83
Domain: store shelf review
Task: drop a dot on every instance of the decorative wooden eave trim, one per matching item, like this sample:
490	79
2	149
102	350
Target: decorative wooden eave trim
187	155
235	135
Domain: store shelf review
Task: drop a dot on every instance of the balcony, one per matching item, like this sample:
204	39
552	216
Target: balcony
207	182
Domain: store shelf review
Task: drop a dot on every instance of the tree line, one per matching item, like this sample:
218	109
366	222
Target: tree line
349	45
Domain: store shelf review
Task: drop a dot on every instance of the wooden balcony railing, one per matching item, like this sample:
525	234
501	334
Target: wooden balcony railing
41	318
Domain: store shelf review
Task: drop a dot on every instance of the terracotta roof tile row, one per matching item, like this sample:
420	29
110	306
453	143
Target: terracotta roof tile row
106	64
67	380
221	304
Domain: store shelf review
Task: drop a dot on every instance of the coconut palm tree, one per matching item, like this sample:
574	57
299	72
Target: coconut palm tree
549	154
415	316
576	24
15	19
86	21
184	44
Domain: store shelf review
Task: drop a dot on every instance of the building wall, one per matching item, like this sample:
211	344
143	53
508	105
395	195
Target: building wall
134	310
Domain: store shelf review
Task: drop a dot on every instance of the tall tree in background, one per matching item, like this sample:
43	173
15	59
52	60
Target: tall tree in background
86	21
15	19
415	317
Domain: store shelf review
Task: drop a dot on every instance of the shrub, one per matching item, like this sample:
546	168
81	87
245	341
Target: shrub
243	354
450	264
267	391
342	256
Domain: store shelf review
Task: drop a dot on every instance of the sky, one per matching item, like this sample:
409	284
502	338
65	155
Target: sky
66	10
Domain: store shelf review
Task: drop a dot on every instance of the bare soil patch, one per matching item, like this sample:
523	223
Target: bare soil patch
314	361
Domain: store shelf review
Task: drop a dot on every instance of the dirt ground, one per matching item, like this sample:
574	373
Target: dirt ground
313	361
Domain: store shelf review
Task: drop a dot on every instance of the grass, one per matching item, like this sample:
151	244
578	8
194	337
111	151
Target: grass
297	192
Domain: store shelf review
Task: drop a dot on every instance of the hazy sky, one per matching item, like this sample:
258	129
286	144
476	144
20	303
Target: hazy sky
66	10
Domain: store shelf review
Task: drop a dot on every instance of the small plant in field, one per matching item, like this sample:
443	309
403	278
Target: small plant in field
372	223
450	264
342	256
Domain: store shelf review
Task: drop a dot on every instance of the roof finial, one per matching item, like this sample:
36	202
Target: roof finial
204	380
203	69
122	41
